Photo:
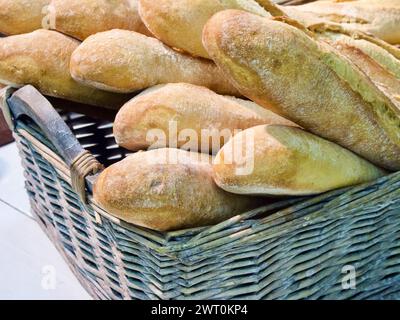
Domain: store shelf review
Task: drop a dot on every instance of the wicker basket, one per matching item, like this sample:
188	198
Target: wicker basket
297	248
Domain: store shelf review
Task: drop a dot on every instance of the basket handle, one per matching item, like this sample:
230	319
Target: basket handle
28	101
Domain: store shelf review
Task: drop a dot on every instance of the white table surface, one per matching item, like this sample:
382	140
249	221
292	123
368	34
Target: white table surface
30	266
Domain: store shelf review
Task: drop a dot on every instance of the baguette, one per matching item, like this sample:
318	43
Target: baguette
21	16
80	19
283	69
76	18
176	108
179	23
151	190
288	161
386	57
379	60
383	79
41	58
126	61
378	17
382	52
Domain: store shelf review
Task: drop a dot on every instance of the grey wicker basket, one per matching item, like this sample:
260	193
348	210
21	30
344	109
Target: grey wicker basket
299	248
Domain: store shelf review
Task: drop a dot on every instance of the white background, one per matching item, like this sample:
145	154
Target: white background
30	266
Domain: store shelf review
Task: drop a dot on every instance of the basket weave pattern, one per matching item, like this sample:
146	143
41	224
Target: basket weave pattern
291	250
295	249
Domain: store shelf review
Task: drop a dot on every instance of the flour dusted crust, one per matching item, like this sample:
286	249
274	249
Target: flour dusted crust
389	60
126	61
81	19
21	16
76	18
151	190
179	23
309	82
41	58
379	73
378	17
338	29
289	161
189	107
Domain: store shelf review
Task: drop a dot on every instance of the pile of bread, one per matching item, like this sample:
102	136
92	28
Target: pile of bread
316	87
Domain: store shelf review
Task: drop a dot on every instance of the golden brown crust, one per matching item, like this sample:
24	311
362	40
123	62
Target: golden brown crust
280	67
41	58
378	17
179	23
81	19
289	161
381	77
76	18
355	34
21	16
148	191
381	55
126	61
182	111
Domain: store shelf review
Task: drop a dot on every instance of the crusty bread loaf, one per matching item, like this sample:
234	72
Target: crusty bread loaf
167	189
287	161
81	19
378	17
280	67
179	23
190	117
364	50
388	60
76	18
21	16
379	50
383	79
126	61
41	58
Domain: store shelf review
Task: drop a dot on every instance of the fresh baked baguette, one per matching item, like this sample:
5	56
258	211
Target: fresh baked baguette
362	49
126	61
389	60
190	117
282	160
280	67
81	19
384	53
21	16
41	58
179	23
167	189
378	17
76	18
383	79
